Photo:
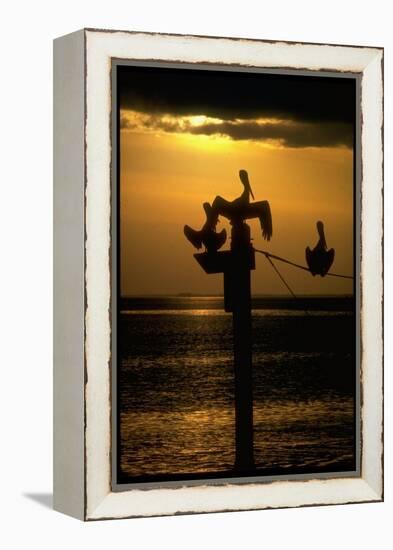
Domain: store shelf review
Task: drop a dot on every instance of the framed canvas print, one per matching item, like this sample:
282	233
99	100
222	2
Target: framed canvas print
218	274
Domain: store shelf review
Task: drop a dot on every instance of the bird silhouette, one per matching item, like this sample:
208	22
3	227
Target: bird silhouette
207	236
320	259
241	209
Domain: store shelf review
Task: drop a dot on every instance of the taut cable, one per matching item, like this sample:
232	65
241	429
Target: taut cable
268	256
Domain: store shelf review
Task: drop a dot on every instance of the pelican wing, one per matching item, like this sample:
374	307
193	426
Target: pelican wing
309	260
222	207
266	221
193	236
328	262
261	210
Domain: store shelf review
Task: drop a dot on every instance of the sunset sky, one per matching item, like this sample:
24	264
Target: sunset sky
184	136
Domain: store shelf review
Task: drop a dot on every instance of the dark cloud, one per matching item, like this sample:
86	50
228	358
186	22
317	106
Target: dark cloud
229	95
125	123
289	134
152	122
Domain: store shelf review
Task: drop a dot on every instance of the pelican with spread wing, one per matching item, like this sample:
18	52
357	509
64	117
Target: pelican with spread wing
241	209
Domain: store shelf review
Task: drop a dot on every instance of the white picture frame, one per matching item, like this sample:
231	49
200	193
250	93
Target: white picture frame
82	274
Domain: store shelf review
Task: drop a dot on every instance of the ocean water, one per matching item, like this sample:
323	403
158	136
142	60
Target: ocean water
176	387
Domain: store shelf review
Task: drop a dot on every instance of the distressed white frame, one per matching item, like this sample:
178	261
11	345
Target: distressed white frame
99	49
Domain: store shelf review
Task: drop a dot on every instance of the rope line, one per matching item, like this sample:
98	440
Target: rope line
281	277
268	256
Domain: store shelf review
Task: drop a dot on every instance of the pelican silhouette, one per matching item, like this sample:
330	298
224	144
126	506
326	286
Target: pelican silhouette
244	198
241	209
207	236
320	259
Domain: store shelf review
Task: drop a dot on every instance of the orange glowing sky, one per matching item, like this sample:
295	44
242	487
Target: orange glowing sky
171	162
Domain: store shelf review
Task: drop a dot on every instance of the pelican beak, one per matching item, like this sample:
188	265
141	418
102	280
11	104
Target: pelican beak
252	194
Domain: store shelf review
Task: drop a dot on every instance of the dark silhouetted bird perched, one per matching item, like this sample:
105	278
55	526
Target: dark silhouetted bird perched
320	259
207	236
241	209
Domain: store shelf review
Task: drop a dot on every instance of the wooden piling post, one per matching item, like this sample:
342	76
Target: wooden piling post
236	265
240	277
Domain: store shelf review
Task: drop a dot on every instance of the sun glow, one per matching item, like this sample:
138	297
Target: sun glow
203	141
